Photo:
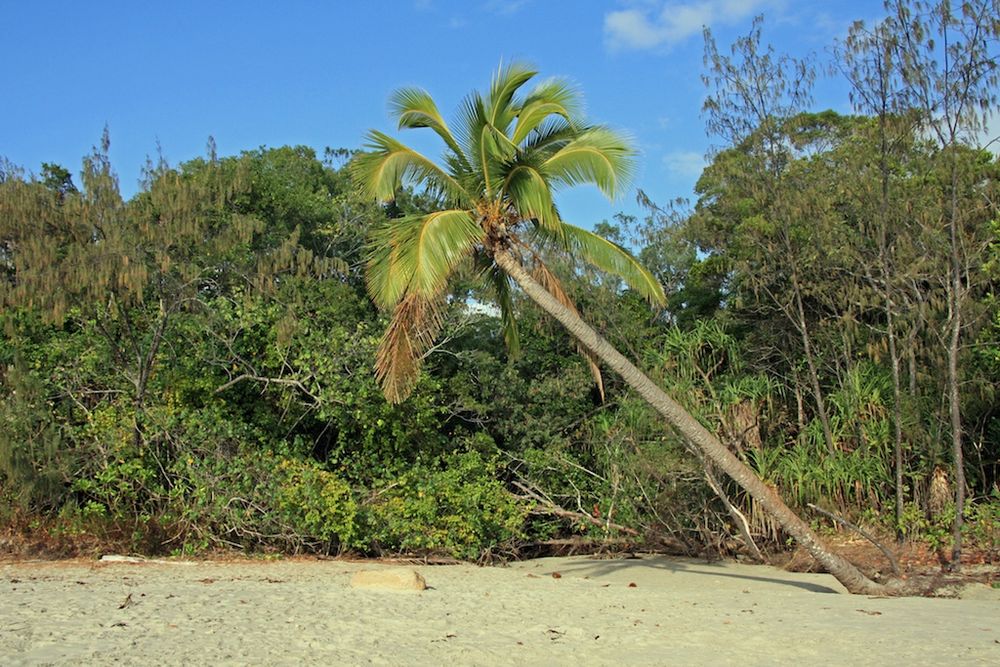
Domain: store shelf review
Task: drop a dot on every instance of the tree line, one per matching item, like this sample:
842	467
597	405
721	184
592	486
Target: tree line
191	368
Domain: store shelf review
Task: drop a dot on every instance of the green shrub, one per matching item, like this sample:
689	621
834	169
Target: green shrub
936	531
457	507
34	460
316	503
982	522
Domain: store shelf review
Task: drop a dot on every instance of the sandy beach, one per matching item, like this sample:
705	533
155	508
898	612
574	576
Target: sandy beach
554	611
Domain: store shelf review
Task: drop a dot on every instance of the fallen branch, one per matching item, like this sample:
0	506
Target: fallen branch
546	506
863	533
741	522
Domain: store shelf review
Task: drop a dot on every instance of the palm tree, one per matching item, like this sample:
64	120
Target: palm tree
504	159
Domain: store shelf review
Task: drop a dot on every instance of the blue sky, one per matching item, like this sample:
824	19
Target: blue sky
256	73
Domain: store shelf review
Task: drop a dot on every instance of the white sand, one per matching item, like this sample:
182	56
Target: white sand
305	612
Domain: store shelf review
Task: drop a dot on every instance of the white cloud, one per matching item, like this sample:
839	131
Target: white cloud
688	164
630	29
655	25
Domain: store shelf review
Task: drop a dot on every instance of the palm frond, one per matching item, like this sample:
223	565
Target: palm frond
548	280
414	107
501	108
598	156
553	97
381	171
500	282
384	278
499	144
417	253
549	139
440	241
608	257
470	122
530	194
463	172
478	139
415	322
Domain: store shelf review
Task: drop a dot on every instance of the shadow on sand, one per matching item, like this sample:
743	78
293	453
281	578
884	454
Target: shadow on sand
620	568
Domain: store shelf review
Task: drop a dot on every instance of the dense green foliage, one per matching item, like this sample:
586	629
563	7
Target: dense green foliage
261	424
191	368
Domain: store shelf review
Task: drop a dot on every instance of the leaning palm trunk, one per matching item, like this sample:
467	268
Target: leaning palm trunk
846	573
498	182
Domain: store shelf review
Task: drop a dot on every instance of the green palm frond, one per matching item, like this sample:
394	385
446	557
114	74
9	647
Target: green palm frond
416	254
499	144
554	97
501	106
384	277
478	140
414	107
500	282
470	121
529	192
382	170
609	257
467	177
598	156
442	240
549	139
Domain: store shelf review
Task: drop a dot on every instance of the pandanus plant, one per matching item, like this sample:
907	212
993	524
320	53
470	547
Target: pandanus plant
505	157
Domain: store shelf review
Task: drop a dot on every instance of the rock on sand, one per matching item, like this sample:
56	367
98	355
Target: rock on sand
393	579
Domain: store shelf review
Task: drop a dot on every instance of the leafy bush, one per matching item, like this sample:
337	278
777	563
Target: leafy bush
935	531
34	463
983	522
317	504
981	527
456	507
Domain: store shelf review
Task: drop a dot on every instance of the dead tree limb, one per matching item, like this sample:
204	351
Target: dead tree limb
546	506
266	381
741	521
893	563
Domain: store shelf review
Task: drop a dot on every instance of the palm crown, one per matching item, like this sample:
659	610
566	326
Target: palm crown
505	156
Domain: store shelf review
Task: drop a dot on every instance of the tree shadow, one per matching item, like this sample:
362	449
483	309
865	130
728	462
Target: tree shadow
605	568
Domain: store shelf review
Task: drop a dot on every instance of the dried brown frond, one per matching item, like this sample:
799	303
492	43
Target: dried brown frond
549	281
410	334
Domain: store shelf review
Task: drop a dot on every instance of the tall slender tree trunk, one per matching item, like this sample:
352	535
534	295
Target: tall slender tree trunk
954	402
954	405
897	416
144	370
846	573
800	408
803	328
890	308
